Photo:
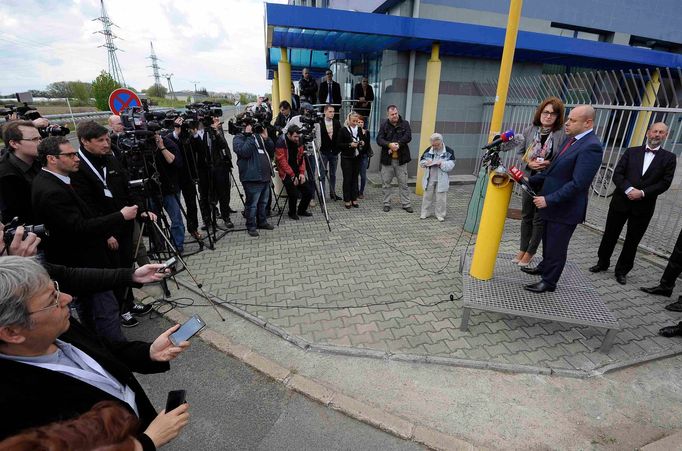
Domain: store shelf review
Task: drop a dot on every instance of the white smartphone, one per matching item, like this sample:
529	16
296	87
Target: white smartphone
167	264
190	328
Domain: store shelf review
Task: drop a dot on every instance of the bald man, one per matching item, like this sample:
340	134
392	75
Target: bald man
642	174
117	130
563	189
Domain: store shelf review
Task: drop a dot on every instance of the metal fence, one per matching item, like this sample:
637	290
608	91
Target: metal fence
626	102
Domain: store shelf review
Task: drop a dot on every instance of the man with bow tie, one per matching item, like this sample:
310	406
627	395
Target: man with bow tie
641	175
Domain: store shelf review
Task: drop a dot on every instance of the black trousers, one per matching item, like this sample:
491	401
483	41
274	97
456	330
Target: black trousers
189	194
531	225
555	239
304	191
350	167
615	221
674	267
220	180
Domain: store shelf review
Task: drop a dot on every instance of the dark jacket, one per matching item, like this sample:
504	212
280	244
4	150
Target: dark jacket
566	182
284	169
324	90
249	161
655	181
77	236
295	103
343	144
169	173
80	281
15	189
308	89
218	155
281	122
369	97
40	396
327	144
399	133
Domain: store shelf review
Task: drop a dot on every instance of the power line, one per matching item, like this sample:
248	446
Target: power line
155	65
114	67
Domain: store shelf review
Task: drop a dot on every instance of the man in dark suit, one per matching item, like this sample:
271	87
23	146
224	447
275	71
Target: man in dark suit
330	92
18	168
78	237
307	87
667	283
285	113
563	189
364	94
329	154
57	370
295	101
641	175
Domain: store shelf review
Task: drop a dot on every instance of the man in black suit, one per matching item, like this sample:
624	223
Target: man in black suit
295	101
285	113
57	370
329	154
18	168
667	283
563	188
330	92
78	237
364	96
307	87
641	175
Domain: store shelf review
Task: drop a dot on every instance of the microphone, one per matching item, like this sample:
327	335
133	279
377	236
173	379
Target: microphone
504	137
517	175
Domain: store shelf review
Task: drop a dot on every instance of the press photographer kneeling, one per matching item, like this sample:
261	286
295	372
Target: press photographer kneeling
291	166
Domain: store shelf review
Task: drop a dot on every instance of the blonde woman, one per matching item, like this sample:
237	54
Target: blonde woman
350	143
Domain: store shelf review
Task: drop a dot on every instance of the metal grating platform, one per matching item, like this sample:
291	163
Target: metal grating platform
575	300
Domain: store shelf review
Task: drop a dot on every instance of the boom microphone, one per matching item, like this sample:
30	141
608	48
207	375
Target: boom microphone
504	137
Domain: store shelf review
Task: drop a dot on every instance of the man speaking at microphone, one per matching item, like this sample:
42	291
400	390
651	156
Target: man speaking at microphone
563	189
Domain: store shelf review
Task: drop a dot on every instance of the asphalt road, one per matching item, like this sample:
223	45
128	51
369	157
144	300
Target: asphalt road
236	408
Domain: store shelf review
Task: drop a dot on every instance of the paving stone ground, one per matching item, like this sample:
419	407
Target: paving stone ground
382	281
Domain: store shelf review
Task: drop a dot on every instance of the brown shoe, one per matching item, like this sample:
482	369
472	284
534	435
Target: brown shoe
197	235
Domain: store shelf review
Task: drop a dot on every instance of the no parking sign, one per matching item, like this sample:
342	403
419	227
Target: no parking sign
123	98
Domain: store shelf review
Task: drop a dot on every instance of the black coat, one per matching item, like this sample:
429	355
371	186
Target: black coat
324	90
15	190
655	181
80	281
218	155
369	97
77	235
328	145
343	144
34	396
400	133
308	89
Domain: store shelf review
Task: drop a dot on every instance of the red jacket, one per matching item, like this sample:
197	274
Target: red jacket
282	159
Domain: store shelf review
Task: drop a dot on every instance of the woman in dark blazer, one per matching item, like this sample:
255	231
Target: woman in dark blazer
349	144
538	147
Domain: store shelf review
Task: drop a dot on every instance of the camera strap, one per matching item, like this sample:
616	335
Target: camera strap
102	177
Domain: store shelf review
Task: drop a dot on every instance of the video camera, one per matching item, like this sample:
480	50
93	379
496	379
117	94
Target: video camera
11	229
237	124
308	120
26	112
202	112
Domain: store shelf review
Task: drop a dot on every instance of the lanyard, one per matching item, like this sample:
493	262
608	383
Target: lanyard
99	176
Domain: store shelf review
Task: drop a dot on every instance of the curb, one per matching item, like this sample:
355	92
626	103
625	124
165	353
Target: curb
328	397
666	443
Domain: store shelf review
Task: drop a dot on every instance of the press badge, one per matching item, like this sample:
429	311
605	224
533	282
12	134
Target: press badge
260	151
107	193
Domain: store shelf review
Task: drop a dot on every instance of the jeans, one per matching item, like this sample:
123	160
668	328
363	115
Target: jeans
364	162
329	163
256	205
171	203
100	313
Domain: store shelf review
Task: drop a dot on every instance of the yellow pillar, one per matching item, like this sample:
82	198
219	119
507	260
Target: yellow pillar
284	69
275	95
497	195
643	118
429	109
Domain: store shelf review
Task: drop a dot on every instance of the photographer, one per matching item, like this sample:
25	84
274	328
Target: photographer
78	236
18	168
283	116
214	166
291	167
255	174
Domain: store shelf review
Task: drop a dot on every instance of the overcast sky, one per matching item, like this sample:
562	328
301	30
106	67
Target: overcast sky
218	43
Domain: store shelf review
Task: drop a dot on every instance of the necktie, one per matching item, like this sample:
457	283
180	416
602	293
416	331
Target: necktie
568	144
653	151
329	90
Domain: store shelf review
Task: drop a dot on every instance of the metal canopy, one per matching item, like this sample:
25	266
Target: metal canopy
327	29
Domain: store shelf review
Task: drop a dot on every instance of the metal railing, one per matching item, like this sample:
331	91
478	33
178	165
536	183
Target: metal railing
620	99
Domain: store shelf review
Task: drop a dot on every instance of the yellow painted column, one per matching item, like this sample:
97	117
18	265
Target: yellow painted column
275	95
429	109
497	194
643	118
284	69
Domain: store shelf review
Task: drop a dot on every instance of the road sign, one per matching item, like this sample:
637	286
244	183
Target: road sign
123	98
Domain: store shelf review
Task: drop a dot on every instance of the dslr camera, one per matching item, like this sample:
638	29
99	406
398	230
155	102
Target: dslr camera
237	124
11	229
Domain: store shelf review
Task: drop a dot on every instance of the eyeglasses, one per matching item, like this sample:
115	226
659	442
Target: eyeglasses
57	294
71	155
550	113
35	140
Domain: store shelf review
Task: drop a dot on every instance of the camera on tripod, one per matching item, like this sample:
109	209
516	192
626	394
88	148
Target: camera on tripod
308	120
11	229
26	112
256	120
